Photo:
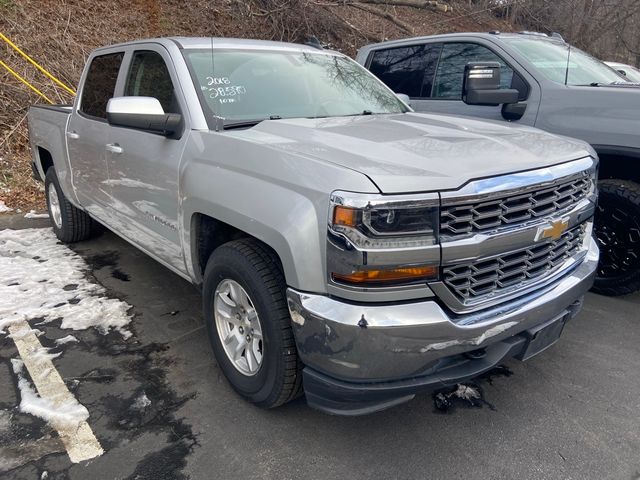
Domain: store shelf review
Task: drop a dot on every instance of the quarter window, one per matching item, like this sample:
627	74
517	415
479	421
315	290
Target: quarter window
450	73
100	84
407	70
149	77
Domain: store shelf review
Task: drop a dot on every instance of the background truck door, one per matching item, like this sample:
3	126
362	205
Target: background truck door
143	166
432	75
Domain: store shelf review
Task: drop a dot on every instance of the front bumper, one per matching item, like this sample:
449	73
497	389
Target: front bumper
362	358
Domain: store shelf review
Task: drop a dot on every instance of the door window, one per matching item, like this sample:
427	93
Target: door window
100	84
149	77
407	70
450	73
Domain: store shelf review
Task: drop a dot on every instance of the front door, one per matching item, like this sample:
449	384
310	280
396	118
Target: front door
144	167
445	95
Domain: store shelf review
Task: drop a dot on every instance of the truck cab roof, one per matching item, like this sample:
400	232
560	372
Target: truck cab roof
491	36
218	43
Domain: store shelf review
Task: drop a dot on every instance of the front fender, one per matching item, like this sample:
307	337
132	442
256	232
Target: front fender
274	196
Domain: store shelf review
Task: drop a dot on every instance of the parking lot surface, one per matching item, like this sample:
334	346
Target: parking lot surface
160	407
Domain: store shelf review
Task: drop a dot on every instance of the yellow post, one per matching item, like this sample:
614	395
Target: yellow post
15	74
33	62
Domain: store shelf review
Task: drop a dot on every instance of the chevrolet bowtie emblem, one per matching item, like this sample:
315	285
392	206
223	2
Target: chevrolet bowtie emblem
554	230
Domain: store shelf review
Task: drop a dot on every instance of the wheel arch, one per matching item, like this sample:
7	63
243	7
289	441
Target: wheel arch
297	253
45	160
619	162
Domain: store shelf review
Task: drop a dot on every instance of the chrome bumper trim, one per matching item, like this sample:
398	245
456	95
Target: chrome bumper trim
373	342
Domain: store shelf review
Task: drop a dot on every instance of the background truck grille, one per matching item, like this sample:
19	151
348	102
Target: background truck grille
476	280
463	219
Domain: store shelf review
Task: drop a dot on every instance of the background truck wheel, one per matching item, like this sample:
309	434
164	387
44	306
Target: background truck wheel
617	231
70	224
248	323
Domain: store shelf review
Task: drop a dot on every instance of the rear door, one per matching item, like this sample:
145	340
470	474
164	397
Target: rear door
88	133
407	69
143	166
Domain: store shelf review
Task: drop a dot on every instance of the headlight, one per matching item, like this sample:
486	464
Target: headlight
381	241
375	221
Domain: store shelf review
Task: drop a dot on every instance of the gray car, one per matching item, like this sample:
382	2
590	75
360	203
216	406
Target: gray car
345	246
553	86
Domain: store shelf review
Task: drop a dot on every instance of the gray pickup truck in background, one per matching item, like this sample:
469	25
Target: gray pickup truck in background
553	86
345	246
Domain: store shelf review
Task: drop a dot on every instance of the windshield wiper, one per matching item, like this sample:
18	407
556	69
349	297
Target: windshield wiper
249	123
364	112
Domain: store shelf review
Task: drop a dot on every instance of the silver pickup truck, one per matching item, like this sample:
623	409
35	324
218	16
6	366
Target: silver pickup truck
345	246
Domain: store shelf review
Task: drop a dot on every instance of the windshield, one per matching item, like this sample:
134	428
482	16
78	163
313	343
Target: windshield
251	85
550	58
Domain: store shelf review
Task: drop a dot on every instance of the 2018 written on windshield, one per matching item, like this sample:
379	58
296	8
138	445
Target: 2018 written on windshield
221	88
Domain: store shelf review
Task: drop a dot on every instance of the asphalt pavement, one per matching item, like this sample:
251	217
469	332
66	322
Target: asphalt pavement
161	408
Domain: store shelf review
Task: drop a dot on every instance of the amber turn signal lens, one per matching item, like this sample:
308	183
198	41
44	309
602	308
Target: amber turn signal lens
381	277
345	216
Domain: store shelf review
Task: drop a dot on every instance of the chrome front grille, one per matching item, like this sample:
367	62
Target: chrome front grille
478	280
461	219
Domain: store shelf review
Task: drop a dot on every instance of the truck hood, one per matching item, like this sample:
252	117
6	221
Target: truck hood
413	152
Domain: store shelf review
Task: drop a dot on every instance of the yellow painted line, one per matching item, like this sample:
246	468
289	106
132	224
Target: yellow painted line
78	439
35	64
15	74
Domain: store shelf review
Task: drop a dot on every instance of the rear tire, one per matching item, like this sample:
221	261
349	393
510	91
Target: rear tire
617	231
249	264
70	224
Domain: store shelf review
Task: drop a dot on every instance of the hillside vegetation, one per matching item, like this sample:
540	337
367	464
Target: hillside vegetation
60	34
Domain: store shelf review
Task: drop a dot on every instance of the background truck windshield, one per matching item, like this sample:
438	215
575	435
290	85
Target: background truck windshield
551	59
254	85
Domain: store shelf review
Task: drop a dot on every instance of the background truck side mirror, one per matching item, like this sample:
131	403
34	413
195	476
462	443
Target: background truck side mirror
143	113
481	85
405	98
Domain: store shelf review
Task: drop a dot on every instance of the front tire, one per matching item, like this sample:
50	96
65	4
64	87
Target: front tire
617	231
249	325
70	224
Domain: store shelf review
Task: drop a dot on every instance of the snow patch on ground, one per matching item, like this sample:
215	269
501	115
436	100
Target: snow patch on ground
141	402
69	413
33	214
42	353
24	333
67	339
4	208
41	278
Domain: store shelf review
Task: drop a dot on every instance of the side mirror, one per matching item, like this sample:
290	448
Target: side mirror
481	85
622	72
404	98
143	113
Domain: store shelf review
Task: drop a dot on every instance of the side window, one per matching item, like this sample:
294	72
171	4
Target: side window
149	77
100	84
454	57
407	70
